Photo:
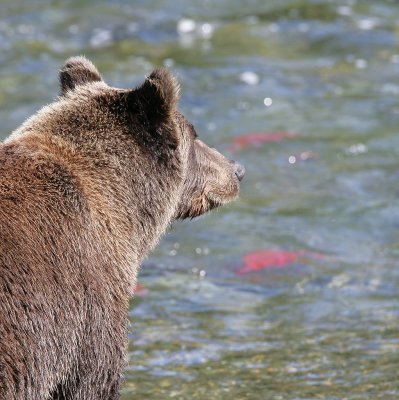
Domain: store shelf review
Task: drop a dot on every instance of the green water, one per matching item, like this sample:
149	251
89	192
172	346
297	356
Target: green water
320	328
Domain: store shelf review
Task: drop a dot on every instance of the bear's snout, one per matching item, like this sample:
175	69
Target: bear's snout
239	170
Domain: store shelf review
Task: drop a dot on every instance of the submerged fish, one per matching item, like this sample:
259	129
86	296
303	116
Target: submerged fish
139	290
258	260
256	139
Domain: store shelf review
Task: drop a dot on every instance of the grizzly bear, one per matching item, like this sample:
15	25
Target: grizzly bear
87	187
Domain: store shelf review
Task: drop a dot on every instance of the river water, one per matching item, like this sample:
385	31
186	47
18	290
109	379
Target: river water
321	79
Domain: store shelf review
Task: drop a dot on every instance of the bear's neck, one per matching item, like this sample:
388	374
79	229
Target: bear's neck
128	198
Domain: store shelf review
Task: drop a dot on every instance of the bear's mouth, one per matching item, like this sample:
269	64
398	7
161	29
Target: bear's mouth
213	203
216	198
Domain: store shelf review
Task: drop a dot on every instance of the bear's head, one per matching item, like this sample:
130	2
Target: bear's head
149	116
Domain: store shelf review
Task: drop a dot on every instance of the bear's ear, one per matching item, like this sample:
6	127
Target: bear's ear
77	71
158	95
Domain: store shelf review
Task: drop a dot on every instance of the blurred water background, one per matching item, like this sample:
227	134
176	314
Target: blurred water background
322	77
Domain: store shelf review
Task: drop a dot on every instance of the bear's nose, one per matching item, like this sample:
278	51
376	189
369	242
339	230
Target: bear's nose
239	170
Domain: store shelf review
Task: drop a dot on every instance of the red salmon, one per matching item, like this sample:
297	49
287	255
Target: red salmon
256	139
263	259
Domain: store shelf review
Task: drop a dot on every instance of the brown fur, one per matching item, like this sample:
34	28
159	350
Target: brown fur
87	187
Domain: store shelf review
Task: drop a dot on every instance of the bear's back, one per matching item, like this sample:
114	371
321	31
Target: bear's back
32	177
